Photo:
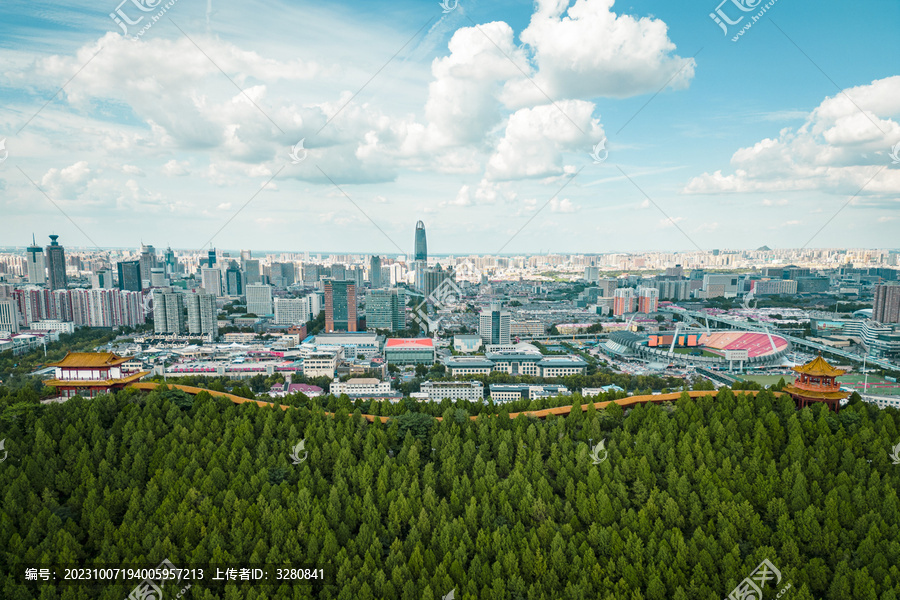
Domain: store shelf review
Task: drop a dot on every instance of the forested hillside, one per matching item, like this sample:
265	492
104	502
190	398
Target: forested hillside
690	498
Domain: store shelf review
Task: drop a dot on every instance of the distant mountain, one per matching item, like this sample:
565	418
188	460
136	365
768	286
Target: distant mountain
763	249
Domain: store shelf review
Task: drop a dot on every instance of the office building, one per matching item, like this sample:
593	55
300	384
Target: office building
211	281
493	325
648	300
510	392
607	287
773	287
421	244
234	280
358	387
251	271
202	315
467	343
9	316
168	313
886	308
340	305
147	259
158	277
718	286
170	263
623	301
130	276
435	391
677	271
296	311
102	280
409	351
37	270
385	310
592	274
211	258
56	264
259	300
375	272
281	274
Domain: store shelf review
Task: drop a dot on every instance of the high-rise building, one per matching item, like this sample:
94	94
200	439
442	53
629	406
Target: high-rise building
310	273
234	280
9	316
295	311
340	305
251	271
648	300
886	308
493	325
171	263
676	271
338	271
148	262
432	279
37	270
623	301
56	264
246	255
130	276
385	310
375	272
591	274
168	313
158	277
202	315
102	280
259	299
282	274
211	281
211	258
421	244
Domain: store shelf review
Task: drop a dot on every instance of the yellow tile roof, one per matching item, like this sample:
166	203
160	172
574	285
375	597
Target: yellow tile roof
818	366
74	360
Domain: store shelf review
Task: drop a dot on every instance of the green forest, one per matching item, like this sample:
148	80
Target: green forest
690	497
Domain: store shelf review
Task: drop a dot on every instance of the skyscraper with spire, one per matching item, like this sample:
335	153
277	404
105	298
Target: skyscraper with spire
37	273
56	264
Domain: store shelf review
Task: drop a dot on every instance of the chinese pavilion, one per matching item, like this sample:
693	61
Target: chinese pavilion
90	374
816	383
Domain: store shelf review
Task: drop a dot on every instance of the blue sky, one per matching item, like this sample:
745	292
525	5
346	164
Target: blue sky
759	141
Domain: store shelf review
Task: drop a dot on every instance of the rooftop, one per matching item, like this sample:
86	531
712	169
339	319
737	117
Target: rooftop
89	359
395	343
819	367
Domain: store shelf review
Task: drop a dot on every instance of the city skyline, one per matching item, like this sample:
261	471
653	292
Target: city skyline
478	127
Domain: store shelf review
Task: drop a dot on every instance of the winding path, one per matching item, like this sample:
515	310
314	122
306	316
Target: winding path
540	414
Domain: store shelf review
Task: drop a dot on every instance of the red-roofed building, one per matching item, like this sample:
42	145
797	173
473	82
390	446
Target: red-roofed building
409	351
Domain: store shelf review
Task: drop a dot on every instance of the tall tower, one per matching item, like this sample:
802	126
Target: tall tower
37	273
211	262
56	264
421	245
